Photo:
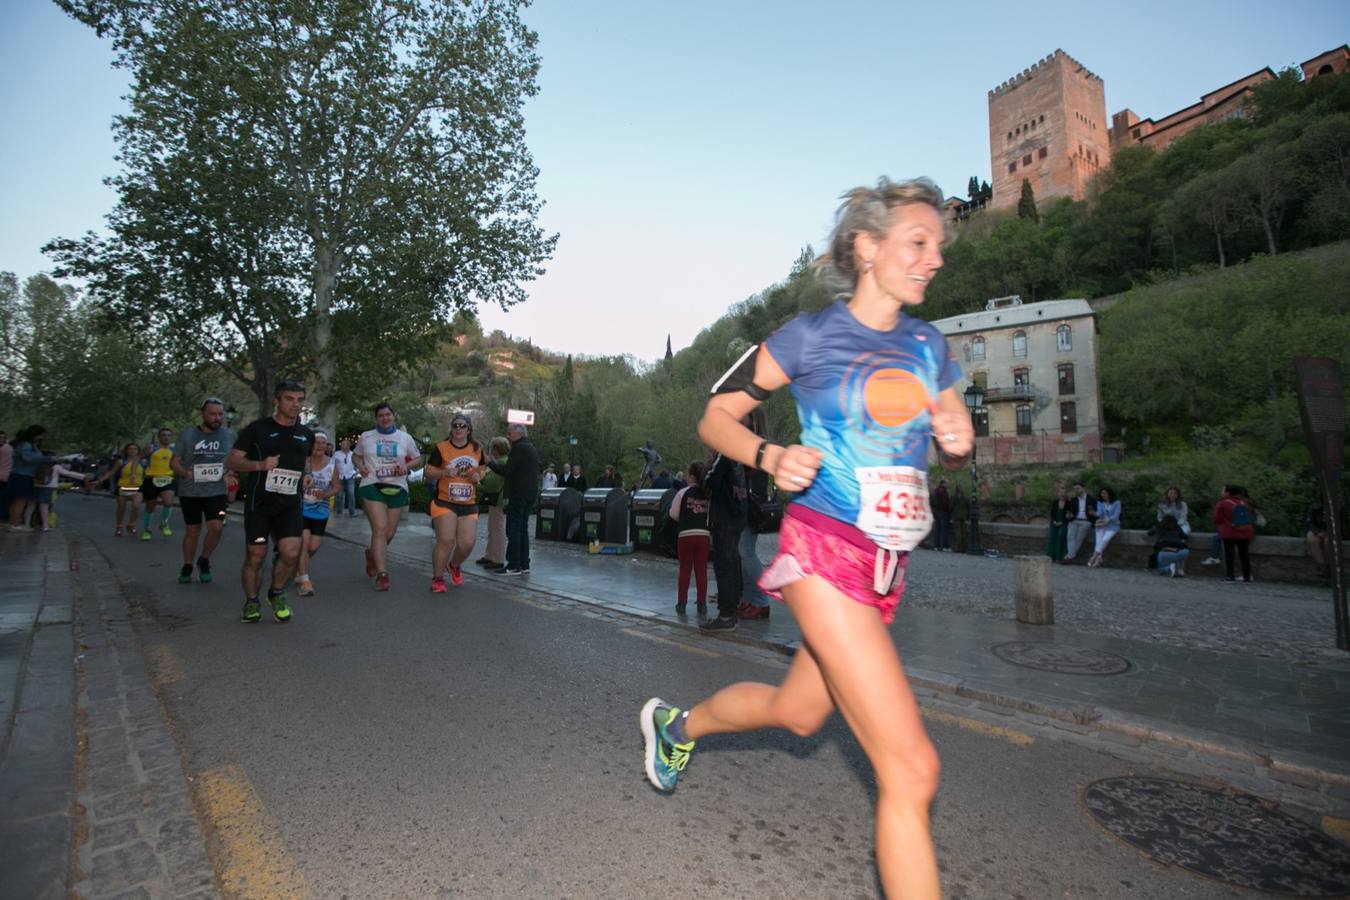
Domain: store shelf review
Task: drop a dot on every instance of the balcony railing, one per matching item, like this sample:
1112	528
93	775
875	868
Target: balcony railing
1018	392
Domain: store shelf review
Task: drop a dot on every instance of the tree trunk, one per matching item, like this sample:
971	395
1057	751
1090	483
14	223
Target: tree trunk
263	377
1270	235
326	263
1218	239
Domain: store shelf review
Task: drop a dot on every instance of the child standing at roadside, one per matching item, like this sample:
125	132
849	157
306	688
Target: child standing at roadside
49	483
689	509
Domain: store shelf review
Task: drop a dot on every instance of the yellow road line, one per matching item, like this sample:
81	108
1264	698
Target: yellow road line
1337	828
676	644
165	665
246	845
996	731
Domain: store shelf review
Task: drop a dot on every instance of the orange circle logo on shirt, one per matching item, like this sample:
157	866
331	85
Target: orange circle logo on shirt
893	396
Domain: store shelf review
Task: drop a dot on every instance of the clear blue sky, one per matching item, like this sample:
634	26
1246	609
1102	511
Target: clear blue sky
688	150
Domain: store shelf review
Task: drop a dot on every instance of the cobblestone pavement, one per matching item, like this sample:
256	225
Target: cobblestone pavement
1292	623
140	833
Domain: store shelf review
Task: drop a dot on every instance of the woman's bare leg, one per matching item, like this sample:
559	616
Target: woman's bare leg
466	534
848	660
857	656
444	526
801	704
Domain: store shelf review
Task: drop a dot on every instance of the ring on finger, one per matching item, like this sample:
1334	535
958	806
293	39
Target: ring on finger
797	479
949	436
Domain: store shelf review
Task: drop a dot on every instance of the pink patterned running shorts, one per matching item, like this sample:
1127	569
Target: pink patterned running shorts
810	543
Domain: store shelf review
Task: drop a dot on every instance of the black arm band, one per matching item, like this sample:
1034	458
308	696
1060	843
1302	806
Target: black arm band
759	454
756	391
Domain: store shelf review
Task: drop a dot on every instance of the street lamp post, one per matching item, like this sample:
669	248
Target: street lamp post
426	439
572	450
974	400
230	413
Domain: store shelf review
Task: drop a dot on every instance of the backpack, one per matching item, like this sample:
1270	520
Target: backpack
1241	519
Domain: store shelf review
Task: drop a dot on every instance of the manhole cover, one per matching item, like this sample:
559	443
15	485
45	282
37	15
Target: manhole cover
1232	838
1060	658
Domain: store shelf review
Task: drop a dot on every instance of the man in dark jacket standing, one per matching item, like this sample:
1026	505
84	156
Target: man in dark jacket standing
726	519
521	472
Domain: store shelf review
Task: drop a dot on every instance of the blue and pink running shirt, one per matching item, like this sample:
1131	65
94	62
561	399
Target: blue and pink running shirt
862	396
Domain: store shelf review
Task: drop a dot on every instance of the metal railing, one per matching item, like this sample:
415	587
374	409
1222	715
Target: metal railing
1016	392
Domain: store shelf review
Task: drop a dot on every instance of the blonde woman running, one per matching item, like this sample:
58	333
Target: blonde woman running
873	387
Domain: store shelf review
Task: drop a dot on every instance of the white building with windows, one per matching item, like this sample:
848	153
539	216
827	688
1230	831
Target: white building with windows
1037	363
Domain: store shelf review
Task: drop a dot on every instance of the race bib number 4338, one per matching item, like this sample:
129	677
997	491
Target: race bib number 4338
893	510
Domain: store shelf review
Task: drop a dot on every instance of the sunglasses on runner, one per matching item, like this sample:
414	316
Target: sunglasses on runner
459	424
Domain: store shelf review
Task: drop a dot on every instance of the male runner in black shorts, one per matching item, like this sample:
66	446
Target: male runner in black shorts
199	464
272	455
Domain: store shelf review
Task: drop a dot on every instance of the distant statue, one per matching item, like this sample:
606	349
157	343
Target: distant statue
653	459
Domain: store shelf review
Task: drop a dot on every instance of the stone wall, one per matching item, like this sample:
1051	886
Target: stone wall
1282	559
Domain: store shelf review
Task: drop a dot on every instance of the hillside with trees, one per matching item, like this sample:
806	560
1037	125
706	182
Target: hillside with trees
1275	180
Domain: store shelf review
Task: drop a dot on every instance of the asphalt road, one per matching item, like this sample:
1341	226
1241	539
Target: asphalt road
485	744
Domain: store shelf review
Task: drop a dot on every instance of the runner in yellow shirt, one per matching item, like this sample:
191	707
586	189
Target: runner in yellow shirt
159	485
125	478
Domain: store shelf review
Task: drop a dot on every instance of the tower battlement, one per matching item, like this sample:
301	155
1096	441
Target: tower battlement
1050	59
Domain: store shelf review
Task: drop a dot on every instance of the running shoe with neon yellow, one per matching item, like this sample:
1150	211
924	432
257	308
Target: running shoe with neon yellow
665	758
281	611
252	612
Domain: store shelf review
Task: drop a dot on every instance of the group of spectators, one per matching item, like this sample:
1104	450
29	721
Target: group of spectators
1073	518
29	478
719	513
1234	516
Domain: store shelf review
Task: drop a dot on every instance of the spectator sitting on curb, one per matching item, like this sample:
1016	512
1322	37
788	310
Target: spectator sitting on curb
1169	549
1107	524
1083	514
1172	505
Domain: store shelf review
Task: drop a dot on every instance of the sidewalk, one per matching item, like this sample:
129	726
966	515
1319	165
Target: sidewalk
1276	727
37	702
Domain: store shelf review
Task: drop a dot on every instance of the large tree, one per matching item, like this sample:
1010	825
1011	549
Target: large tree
91	383
315	187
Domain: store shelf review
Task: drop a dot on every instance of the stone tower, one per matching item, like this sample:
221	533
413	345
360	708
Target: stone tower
1049	126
